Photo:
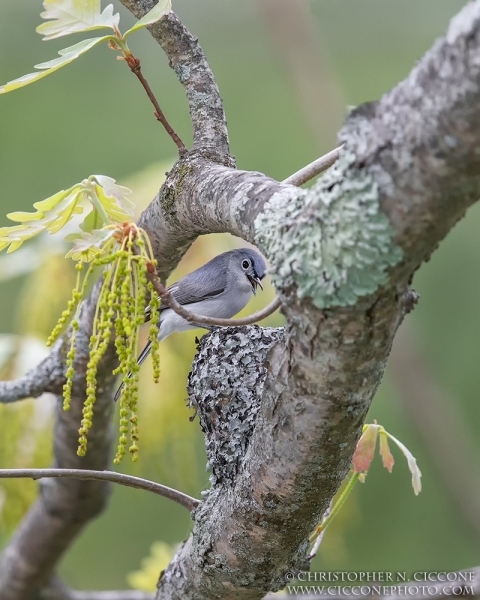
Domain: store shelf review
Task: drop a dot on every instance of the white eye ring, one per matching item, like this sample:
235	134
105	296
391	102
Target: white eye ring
245	264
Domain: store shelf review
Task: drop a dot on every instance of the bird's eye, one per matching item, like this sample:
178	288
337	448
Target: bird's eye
245	264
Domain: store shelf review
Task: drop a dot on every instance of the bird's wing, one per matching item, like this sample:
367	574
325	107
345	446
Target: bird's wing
195	287
202	284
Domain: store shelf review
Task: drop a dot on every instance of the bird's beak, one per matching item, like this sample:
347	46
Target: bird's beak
255	281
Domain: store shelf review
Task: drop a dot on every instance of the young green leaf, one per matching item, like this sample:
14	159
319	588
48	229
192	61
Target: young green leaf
109	202
48	207
74	16
13	237
162	8
412	464
67	55
52	214
92	221
89	245
113	199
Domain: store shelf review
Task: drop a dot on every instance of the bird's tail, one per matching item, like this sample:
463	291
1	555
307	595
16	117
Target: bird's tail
143	355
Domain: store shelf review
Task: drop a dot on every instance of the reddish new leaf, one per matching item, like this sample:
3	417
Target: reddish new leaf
365	449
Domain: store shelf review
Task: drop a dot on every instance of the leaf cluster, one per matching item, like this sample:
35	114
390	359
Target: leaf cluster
361	462
109	239
366	447
66	17
109	203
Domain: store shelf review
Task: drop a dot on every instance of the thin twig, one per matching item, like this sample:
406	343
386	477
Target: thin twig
134	64
128	480
111	595
314	168
55	589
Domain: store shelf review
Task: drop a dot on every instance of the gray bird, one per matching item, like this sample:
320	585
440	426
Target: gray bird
220	289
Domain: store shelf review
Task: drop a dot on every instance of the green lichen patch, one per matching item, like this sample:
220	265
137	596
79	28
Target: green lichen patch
169	192
333	241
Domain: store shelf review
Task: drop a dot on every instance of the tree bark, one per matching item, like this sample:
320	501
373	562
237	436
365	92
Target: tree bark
283	409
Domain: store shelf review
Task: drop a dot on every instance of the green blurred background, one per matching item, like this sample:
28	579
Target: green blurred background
287	71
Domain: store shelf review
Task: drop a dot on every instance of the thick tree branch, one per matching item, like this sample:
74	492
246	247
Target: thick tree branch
429	412
48	376
326	374
420	140
409	171
128	480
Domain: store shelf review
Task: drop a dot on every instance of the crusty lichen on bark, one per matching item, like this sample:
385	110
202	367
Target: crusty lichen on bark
225	387
333	241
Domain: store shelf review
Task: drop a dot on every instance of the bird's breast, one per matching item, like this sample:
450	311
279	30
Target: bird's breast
225	306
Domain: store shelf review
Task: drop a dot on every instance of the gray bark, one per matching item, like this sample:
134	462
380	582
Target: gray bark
343	254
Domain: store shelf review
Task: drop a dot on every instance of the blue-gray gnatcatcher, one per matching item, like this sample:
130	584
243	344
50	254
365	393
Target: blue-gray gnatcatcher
221	289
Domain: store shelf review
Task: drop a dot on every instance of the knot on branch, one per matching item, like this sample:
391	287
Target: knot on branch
410	299
225	387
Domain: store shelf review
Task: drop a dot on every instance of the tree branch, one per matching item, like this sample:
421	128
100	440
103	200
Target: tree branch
342	254
321	382
109	595
128	480
429	411
56	590
135	67
187	59
314	168
48	376
417	141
